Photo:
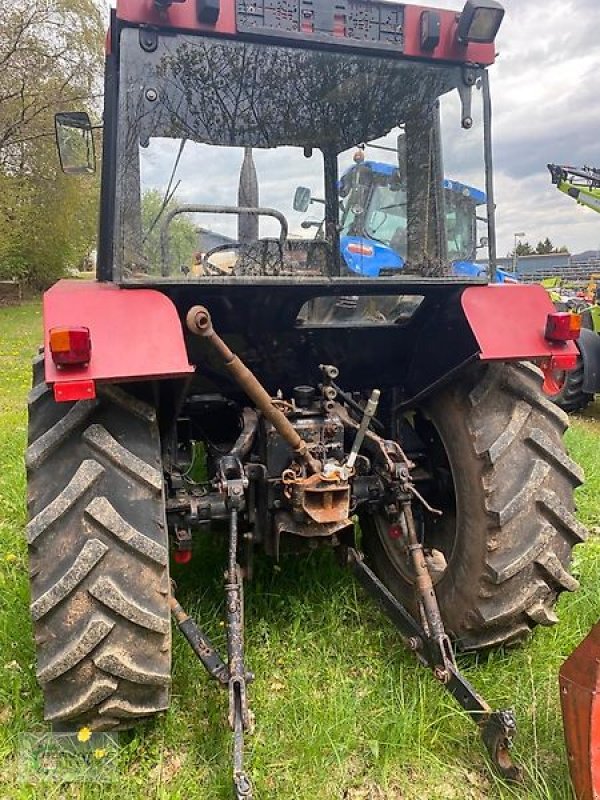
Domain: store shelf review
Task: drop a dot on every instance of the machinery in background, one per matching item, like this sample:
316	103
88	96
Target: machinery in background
373	220
574	390
580	183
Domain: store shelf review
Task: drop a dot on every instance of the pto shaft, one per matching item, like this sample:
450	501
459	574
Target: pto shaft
199	322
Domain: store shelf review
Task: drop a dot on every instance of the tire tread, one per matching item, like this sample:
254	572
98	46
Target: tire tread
96	525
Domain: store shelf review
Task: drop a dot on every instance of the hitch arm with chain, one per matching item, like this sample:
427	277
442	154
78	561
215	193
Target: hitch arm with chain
239	715
497	728
233	675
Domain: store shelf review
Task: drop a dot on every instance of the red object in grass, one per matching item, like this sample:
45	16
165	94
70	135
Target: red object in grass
579	680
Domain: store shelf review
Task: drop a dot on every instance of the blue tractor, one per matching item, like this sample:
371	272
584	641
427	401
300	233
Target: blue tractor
374	222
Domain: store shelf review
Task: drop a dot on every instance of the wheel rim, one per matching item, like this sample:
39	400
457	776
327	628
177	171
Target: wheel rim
437	534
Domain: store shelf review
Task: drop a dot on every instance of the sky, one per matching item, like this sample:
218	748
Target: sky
545	89
546	100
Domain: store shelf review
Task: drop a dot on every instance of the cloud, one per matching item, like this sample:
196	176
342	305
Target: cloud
545	87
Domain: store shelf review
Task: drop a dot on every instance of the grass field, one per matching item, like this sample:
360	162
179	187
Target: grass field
342	712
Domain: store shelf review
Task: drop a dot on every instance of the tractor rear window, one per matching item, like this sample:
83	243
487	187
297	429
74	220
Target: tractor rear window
353	310
215	137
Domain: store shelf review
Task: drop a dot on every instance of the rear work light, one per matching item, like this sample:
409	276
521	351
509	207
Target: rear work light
562	326
70	346
360	249
480	21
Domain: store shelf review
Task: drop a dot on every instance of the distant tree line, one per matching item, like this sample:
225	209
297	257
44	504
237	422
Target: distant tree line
50	60
542	248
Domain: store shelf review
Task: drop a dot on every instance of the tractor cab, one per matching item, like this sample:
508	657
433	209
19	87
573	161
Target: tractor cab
190	100
373	221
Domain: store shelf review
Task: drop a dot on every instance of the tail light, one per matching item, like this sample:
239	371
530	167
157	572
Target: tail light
561	326
70	346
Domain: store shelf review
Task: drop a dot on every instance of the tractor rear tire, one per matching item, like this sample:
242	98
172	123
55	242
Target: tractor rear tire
511	521
98	558
570	395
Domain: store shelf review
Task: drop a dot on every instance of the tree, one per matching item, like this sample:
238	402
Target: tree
546	247
524	249
50	60
183	237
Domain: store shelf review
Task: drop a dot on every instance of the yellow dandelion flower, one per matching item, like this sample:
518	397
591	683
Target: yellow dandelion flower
99	752
84	734
10	558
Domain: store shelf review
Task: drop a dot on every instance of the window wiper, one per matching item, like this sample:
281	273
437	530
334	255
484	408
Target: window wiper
369	235
392	205
168	193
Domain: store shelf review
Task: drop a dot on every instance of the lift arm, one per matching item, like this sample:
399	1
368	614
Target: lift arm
580	183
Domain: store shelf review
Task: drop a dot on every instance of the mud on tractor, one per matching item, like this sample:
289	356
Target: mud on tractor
407	407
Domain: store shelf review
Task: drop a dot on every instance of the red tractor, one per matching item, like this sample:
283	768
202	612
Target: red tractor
398	420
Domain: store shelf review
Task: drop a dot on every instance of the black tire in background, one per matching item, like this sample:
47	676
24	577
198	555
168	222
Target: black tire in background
566	389
509	524
98	558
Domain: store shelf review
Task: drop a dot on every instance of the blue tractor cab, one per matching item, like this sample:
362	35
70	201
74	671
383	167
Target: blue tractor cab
374	222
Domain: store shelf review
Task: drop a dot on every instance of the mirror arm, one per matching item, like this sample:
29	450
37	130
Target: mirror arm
465	91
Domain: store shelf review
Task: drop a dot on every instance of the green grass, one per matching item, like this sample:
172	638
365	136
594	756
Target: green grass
342	711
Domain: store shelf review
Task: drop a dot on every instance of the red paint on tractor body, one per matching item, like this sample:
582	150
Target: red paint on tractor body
136	334
182	16
509	322
579	681
449	48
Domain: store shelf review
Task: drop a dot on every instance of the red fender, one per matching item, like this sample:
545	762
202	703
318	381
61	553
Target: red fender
136	334
509	324
580	700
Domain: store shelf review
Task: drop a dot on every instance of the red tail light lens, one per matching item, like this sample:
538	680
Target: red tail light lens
562	326
360	249
70	346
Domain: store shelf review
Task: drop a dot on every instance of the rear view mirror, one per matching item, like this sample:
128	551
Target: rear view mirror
75	143
302	198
